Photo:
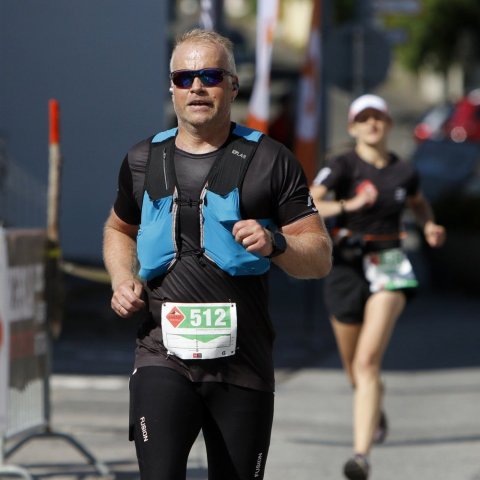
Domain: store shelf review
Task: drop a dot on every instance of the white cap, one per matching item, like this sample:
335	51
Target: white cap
367	101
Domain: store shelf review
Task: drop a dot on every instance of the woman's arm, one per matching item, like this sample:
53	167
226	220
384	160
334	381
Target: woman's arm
435	234
365	197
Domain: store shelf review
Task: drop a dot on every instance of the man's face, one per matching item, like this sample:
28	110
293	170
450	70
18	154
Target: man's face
200	105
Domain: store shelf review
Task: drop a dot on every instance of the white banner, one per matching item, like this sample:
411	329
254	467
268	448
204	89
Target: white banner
259	105
306	131
207	15
24	345
4	333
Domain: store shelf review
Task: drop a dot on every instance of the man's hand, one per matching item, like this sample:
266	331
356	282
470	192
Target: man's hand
126	298
254	237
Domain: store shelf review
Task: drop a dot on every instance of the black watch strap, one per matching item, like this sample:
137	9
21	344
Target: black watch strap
279	244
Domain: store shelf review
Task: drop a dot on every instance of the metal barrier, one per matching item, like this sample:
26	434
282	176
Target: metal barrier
25	349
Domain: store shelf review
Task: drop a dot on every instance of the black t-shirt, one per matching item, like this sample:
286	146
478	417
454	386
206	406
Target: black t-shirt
394	182
274	187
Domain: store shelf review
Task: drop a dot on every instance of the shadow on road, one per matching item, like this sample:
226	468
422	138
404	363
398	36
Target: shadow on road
437	330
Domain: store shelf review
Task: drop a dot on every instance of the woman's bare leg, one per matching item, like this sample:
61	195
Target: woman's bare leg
381	313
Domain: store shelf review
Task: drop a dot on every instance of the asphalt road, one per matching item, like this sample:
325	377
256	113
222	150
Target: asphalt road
432	374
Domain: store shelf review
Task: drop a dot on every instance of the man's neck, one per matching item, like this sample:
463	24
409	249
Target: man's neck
201	140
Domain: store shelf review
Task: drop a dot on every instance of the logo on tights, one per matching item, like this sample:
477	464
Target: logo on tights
258	466
143	427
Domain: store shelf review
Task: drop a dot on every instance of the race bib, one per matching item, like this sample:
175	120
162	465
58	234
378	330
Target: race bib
194	331
389	270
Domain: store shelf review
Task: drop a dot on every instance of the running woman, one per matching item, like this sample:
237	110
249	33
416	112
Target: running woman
367	189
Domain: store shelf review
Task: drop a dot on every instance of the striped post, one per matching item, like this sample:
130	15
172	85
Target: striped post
55	164
54	278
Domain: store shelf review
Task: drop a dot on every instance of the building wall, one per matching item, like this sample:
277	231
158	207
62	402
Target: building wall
106	62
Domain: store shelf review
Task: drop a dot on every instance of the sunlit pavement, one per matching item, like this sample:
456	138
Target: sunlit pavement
432	377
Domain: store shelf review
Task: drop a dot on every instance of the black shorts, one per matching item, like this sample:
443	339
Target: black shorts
168	411
346	292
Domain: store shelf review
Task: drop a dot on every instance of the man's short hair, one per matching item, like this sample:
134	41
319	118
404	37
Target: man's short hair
198	35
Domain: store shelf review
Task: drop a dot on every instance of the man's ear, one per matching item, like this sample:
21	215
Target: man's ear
235	88
235	84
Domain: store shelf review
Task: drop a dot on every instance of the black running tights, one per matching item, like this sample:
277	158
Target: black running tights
167	412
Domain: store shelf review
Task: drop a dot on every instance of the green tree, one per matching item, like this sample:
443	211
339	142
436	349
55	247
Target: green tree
442	33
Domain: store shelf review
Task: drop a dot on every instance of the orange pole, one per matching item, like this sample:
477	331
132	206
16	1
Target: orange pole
54	121
55	162
54	284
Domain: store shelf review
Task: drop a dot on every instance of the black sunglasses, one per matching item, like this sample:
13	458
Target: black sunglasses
210	77
364	116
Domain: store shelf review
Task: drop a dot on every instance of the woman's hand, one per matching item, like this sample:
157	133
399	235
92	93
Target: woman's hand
435	234
366	196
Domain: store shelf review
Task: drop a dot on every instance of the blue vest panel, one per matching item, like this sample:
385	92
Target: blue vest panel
156	248
219	215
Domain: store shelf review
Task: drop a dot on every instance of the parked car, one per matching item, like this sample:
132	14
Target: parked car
450	177
431	125
463	125
446	167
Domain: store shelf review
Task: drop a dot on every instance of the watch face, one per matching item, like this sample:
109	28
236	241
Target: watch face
280	241
279	244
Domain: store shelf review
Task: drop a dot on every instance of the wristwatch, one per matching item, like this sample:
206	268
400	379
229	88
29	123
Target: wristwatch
279	244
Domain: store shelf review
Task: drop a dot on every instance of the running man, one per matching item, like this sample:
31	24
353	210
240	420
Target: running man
206	207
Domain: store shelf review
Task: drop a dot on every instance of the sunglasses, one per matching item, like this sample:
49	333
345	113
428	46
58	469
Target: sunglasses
210	77
364	116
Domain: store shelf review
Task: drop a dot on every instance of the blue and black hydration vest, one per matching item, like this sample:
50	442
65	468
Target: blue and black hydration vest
218	208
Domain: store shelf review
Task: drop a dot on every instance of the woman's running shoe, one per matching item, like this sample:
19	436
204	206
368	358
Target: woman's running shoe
357	468
382	429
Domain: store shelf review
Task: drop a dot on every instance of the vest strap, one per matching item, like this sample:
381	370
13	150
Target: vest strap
160	178
227	172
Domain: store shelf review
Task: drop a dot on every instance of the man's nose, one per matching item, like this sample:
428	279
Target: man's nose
197	84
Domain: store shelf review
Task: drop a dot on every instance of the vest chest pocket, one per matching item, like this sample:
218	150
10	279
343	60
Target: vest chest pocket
220	212
156	247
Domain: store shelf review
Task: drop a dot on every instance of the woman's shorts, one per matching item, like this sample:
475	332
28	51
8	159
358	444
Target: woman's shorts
346	292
